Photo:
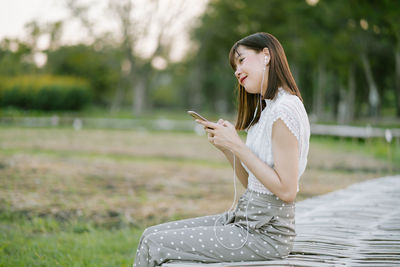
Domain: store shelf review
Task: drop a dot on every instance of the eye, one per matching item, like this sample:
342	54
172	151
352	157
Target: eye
241	60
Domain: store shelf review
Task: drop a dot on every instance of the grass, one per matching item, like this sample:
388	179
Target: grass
115	156
44	242
376	147
83	198
100	112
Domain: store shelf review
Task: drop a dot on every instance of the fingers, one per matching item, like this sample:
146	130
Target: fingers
213	125
209	130
208	124
213	129
211	138
226	123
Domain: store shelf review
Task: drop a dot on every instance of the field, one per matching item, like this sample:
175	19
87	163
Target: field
82	198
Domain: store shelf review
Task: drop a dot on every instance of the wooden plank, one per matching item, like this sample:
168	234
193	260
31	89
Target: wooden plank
359	225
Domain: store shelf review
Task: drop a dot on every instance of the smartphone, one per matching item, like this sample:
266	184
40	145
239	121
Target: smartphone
196	115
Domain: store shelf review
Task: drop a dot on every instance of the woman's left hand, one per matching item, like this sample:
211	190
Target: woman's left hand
222	134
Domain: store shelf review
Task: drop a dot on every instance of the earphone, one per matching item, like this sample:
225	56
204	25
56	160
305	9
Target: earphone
265	62
234	176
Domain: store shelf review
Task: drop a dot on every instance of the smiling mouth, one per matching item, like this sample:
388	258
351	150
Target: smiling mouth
241	80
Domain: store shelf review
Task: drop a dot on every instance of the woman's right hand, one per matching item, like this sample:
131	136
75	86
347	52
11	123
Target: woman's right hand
210	136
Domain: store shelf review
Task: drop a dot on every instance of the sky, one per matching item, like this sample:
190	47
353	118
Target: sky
14	14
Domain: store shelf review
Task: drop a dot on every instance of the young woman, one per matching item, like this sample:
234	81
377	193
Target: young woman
269	165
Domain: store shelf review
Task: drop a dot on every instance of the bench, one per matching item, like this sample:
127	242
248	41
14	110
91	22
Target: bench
356	226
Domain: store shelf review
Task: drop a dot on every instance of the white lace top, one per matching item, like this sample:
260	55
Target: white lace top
291	111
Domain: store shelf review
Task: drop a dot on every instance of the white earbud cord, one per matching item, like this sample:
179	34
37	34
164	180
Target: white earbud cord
234	183
231	210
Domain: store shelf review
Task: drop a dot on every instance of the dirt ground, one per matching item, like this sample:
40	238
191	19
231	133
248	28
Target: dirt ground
116	176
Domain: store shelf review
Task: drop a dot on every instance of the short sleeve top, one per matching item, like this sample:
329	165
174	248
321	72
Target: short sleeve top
290	109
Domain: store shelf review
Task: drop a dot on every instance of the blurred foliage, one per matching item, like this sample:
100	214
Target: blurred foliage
101	68
323	42
164	96
15	57
44	92
344	55
329	36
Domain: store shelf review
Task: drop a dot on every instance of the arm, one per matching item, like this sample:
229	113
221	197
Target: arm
241	173
282	179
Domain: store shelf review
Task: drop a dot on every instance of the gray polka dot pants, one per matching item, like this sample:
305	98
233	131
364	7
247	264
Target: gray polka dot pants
267	232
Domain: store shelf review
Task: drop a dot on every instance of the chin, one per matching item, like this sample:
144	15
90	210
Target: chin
251	91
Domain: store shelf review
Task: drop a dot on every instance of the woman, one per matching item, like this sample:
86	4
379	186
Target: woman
269	165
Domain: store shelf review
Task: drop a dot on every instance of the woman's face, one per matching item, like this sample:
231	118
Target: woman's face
250	68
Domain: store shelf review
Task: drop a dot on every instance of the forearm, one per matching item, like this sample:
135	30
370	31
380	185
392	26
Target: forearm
241	173
264	173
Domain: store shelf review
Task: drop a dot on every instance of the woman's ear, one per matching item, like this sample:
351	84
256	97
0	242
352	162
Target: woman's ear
267	55
265	51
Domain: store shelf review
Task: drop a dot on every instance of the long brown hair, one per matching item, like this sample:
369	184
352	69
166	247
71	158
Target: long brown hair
279	75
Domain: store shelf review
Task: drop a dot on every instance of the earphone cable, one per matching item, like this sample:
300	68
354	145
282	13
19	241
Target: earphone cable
234	179
231	210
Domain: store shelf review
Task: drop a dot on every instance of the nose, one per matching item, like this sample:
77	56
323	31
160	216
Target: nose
238	72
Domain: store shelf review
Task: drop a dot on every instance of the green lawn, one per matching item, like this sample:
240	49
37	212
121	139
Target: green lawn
44	242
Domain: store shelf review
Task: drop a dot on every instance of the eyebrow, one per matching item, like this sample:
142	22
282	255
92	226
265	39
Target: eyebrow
237	58
238	53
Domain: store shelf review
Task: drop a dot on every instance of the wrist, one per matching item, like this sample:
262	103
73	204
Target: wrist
239	148
225	150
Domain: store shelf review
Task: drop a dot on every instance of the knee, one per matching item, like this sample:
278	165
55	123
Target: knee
145	233
146	239
149	230
146	243
150	242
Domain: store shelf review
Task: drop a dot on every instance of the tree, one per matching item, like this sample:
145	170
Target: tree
328	45
387	27
15	58
98	67
133	29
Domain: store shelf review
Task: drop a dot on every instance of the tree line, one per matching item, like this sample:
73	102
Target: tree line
344	54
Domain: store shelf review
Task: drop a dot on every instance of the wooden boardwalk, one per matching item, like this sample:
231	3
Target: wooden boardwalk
356	226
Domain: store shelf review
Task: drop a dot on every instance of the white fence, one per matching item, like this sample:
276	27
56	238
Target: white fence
185	125
354	132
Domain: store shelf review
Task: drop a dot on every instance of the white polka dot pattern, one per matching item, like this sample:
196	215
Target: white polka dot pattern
270	236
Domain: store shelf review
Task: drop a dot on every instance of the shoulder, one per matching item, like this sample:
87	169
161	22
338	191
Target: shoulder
284	134
288	110
289	105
